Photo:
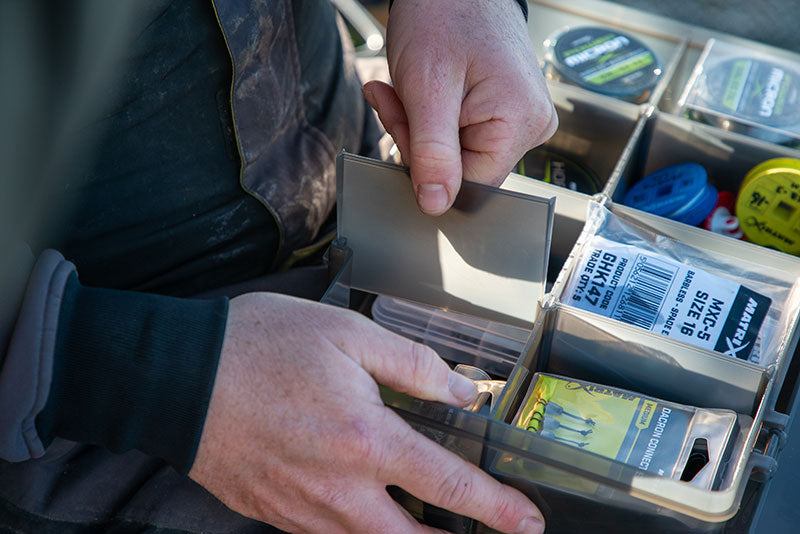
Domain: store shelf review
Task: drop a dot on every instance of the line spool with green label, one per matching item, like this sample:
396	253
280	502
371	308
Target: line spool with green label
603	60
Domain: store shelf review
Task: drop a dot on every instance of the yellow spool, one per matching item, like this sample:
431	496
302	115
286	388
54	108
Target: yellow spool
768	206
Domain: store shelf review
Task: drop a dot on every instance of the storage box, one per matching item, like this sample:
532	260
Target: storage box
505	256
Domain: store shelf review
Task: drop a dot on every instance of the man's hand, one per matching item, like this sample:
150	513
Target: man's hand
297	436
468	99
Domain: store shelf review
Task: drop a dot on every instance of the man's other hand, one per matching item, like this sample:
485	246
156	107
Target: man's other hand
468	99
297	436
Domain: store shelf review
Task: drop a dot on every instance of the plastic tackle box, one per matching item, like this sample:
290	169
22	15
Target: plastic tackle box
505	256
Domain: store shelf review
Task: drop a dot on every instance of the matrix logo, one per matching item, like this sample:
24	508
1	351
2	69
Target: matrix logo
743	323
735	344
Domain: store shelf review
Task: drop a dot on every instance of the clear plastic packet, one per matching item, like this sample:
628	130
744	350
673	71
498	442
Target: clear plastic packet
736	88
632	274
458	338
665	438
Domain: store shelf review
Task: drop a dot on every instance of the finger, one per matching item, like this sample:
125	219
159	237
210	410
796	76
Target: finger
491	148
378	513
415	369
494	138
489	152
395	361
432	101
383	99
439	477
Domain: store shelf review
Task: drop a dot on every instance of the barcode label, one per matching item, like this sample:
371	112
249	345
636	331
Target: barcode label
657	293
645	292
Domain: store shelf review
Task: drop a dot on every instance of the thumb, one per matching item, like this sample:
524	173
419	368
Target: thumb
433	110
415	369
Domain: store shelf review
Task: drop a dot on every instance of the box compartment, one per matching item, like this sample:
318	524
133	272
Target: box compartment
553	17
593	130
668	140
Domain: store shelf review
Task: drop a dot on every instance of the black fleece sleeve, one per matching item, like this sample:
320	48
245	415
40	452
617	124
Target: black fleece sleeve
133	371
523	4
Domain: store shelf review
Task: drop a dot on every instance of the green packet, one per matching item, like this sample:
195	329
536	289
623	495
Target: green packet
669	439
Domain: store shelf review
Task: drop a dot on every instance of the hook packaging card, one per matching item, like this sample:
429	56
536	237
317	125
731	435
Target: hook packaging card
661	437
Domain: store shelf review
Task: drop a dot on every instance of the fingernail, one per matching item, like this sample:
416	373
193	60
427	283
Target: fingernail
432	198
461	387
531	525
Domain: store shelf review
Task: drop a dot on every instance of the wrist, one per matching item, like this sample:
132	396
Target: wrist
133	371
